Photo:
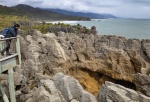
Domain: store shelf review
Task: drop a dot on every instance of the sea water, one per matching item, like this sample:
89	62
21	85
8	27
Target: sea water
129	28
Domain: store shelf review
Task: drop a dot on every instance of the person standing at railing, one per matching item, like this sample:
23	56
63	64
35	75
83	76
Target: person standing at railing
12	32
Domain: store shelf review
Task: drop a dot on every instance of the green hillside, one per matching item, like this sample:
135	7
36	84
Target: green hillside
28	26
26	16
36	13
8	20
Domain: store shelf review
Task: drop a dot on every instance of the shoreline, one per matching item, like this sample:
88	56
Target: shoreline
129	28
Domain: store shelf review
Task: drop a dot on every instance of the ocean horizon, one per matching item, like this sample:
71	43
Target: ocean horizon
129	28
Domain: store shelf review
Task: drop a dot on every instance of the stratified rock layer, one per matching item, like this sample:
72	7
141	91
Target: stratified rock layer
60	88
142	83
111	92
116	58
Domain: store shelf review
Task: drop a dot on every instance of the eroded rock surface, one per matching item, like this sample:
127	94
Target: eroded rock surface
111	92
142	83
60	88
91	59
71	89
112	56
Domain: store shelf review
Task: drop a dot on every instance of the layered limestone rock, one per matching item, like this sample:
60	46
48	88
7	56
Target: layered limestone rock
111	92
60	88
71	89
91	59
112	58
142	83
47	92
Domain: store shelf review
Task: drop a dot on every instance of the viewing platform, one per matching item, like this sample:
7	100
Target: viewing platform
7	63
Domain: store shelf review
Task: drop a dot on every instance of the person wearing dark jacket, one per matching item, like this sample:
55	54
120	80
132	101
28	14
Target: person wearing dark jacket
11	33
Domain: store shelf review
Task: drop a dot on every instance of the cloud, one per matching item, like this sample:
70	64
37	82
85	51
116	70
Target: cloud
121	8
140	2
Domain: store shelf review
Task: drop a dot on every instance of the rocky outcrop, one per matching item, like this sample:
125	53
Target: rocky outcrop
114	57
47	92
60	88
71	89
111	92
91	59
142	83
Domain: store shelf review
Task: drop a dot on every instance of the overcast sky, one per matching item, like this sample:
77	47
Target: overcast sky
121	8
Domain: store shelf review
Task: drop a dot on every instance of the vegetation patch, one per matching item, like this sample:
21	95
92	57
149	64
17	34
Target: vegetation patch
8	20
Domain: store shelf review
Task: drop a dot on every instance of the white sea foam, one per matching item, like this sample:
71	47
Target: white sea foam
65	22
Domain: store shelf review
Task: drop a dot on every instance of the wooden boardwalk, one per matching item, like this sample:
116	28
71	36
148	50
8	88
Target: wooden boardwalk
7	63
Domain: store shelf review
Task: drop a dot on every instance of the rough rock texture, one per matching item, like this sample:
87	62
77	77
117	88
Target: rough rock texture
60	88
111	92
46	93
114	56
96	58
91	59
71	89
142	83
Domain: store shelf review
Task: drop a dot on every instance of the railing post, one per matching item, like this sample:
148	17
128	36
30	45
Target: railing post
1	44
0	66
18	49
3	93
11	85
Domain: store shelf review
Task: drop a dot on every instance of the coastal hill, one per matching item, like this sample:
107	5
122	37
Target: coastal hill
82	14
36	13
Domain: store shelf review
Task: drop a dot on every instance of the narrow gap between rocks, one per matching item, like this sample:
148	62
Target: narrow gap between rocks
92	81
